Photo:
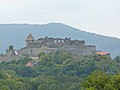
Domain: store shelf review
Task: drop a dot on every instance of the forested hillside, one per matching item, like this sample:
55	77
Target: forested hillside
61	71
15	34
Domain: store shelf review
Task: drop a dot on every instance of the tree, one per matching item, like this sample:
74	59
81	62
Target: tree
98	80
116	81
41	54
4	74
117	59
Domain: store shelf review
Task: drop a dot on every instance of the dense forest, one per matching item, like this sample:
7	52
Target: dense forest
61	71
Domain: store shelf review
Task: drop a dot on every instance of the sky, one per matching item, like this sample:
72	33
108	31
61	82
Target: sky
97	16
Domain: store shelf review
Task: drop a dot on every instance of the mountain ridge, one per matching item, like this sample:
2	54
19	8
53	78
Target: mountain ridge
15	34
62	24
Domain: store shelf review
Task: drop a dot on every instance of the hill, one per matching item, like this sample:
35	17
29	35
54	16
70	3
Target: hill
15	34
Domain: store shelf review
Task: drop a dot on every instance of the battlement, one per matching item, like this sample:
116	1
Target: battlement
54	42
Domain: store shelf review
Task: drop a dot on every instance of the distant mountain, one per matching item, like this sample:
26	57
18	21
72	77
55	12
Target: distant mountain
15	34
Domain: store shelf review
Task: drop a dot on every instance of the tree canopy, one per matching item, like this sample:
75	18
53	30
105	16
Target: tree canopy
61	70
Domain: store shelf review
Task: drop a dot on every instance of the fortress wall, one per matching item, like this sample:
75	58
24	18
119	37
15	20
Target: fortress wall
81	44
48	45
77	50
33	45
90	50
83	50
35	51
29	51
10	58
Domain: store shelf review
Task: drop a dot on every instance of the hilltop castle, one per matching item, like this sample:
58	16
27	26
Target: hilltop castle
47	45
34	47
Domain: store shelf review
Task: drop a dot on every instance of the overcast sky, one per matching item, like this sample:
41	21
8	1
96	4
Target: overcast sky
98	16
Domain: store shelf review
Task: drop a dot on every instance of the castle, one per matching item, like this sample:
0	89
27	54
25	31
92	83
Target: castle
34	47
47	45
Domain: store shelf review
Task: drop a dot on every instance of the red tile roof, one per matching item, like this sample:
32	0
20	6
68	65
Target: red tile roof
103	53
29	64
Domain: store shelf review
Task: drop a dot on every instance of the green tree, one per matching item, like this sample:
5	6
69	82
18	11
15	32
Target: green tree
117	59
4	74
98	80
41	54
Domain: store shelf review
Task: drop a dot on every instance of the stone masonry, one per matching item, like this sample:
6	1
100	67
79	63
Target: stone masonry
34	47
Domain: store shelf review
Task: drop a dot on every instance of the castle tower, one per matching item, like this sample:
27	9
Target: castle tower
30	39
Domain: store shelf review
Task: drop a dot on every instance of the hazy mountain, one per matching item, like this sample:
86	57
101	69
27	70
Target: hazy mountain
15	34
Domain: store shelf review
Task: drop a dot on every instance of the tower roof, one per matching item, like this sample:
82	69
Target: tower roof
30	37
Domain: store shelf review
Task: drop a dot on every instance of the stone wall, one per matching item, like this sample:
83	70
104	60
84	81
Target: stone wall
58	42
90	49
77	50
48	45
10	58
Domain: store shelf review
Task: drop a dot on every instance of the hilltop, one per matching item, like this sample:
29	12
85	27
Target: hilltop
15	34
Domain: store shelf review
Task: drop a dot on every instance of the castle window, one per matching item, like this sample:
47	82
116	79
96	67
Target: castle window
58	41
55	41
62	41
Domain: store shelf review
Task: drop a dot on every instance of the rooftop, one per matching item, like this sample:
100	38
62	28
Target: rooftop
30	37
103	53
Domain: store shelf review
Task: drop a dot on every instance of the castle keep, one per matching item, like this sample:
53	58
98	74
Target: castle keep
34	47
